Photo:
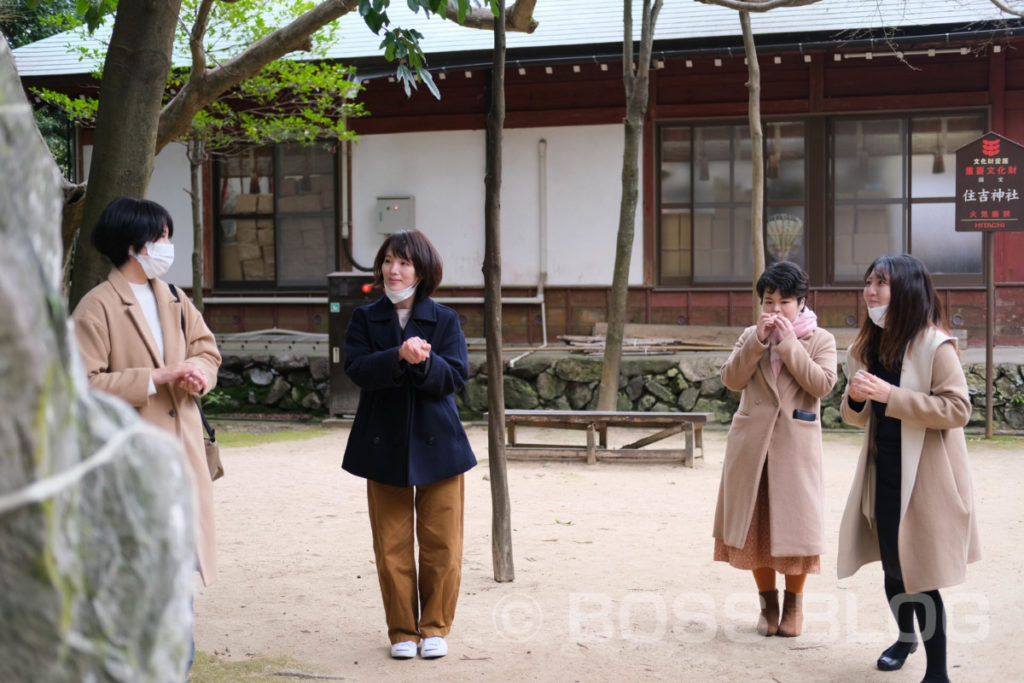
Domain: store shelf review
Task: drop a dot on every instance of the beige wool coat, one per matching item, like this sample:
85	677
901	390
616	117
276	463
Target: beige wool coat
764	433
119	353
938	532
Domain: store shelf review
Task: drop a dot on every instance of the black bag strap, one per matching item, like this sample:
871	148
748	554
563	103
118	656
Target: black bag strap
202	415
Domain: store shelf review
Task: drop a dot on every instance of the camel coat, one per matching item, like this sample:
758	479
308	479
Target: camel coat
119	353
764	433
938	531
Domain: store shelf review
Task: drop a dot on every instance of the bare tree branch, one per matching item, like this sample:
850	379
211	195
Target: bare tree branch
517	18
179	112
195	41
212	83
761	5
1009	10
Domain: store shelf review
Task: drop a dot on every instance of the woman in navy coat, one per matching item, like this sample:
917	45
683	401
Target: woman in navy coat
407	354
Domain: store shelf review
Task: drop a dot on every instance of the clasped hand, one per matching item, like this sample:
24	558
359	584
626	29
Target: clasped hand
414	350
185	375
866	386
772	322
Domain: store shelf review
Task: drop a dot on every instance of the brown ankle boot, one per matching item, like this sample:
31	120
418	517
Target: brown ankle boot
792	621
768	622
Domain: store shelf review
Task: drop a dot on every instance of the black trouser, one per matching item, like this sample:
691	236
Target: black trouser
931	616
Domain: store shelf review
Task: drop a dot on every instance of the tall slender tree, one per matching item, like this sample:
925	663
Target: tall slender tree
636	80
501	516
745	7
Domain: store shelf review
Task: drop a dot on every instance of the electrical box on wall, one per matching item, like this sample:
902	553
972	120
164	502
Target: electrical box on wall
395	213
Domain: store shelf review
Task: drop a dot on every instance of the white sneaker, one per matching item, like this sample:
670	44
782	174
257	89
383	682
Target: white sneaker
433	647
404	650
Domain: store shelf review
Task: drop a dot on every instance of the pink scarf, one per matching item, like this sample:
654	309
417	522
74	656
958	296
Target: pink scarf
805	322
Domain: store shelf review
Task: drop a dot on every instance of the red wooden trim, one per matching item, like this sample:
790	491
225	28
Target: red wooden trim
576	117
816	91
403	124
1014	100
905	102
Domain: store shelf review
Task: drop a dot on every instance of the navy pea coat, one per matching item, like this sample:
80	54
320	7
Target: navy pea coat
407	430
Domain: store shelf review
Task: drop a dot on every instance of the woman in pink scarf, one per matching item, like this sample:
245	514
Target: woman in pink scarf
770	513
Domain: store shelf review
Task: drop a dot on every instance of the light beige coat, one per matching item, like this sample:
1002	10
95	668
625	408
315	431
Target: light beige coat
119	354
938	532
763	429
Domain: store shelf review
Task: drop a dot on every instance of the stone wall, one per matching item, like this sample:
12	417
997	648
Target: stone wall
285	383
687	382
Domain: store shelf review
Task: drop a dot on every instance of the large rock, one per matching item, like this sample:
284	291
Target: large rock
278	390
688	399
96	546
549	385
287	362
635	387
259	376
659	391
531	365
519	395
645	365
699	368
320	369
474	395
579	369
578	394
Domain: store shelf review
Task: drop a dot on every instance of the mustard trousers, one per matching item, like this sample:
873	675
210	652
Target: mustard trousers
419	601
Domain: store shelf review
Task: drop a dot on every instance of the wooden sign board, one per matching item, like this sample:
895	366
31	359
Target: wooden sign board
990	185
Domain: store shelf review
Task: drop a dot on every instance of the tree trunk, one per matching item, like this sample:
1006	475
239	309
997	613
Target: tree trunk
501	517
134	77
635	80
196	154
756	159
609	392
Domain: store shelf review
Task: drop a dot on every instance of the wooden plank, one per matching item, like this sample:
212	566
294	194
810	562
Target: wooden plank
659	456
547	453
577	453
663	434
591	448
612	418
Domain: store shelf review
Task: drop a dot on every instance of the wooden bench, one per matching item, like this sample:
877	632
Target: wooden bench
596	424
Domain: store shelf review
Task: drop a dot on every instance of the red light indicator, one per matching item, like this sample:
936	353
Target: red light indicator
367	287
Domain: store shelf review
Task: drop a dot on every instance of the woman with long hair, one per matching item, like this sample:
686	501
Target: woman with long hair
911	504
408	356
770	516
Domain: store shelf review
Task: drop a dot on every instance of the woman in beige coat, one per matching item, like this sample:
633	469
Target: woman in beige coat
911	504
770	513
150	346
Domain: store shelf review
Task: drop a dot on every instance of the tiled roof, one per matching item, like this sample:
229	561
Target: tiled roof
565	24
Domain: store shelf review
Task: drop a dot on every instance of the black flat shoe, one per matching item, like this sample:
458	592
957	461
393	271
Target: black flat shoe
935	679
894	655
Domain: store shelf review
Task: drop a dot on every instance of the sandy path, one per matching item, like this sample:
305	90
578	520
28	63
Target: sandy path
614	579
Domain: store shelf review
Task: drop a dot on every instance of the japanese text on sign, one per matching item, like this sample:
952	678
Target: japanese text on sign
989	185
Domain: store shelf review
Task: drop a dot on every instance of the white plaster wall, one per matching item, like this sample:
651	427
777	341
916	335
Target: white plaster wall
168	187
444	172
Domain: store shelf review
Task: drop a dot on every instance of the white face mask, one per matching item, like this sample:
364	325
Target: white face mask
877	314
399	295
157	260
